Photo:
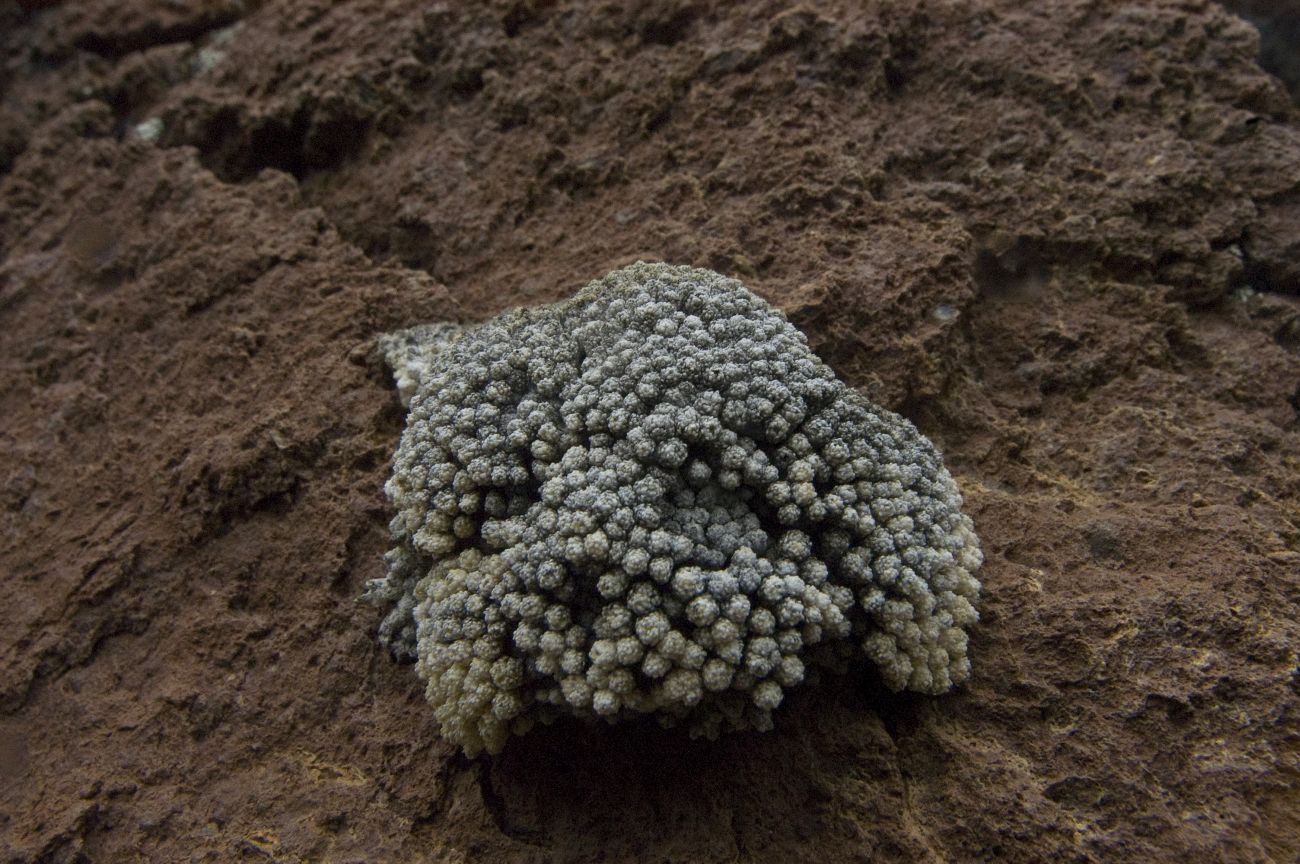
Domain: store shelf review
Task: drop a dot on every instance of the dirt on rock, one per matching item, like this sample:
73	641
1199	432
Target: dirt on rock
1061	237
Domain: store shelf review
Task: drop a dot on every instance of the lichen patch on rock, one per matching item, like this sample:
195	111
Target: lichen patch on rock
654	499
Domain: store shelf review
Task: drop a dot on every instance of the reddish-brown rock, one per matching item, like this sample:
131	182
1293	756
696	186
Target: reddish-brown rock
1062	237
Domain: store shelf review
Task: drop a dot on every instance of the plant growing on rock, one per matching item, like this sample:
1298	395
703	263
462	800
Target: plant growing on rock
654	499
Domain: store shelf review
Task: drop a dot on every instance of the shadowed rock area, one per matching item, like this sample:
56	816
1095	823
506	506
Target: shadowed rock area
1062	238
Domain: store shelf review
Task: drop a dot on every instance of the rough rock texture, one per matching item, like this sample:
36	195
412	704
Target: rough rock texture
1063	238
1278	22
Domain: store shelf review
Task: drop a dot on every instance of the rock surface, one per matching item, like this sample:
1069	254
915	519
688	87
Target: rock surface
1063	238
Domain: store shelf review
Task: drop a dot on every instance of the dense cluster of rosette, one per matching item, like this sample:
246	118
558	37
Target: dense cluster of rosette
654	499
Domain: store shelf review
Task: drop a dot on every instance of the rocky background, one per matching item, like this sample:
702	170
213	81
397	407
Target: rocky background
1062	237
